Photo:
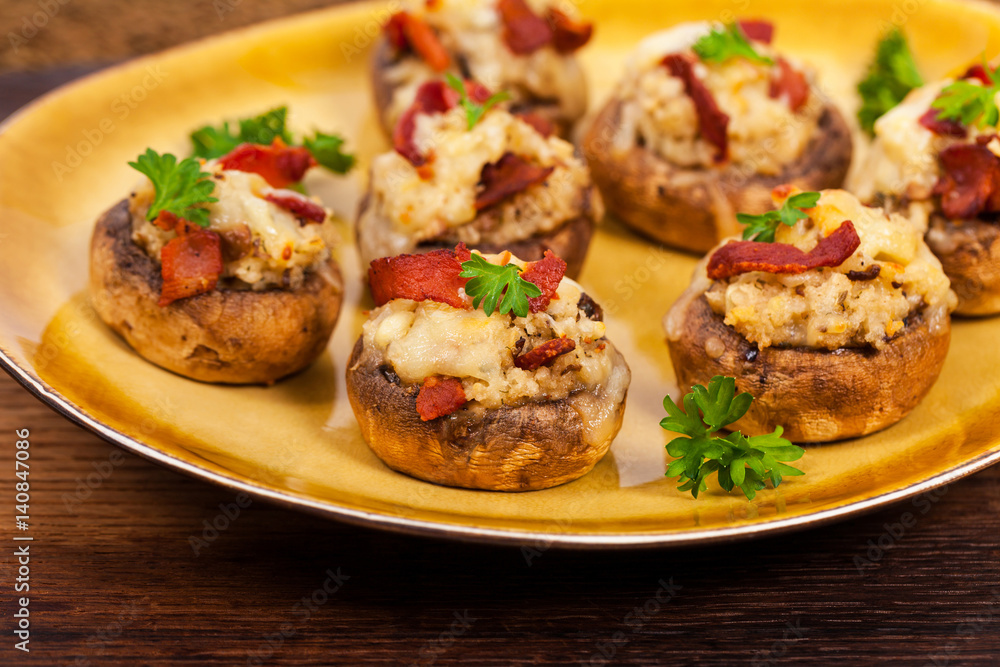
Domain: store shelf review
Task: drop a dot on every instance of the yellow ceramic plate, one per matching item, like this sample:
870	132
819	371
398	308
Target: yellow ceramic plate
63	161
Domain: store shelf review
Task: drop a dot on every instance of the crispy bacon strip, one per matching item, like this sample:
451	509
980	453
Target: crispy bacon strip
191	264
544	354
738	257
791	82
509	175
541	124
970	182
432	97
757	30
297	205
439	396
433	276
977	71
279	164
568	35
711	120
943	127
524	31
546	274
394	31
406	31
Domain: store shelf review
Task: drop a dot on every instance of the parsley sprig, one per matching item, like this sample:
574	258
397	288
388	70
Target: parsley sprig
762	227
474	111
725	43
890	78
491	284
212	142
740	461
971	102
182	188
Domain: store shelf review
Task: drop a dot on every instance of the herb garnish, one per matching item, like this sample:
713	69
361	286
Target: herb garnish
211	142
725	43
891	76
970	103
181	187
491	282
474	111
739	461
762	227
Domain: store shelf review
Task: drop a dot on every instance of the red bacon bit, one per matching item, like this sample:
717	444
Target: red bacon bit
395	33
191	264
280	165
165	220
757	30
791	82
433	276
970	182
711	120
568	35
977	71
943	127
546	274
544	354
432	97
439	397
509	175
539	122
524	31
738	257
297	205
424	41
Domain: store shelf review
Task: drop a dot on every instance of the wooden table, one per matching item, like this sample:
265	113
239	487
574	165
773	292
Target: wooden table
115	578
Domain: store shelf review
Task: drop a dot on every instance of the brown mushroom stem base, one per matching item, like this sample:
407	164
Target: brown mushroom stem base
534	446
969	251
226	336
816	395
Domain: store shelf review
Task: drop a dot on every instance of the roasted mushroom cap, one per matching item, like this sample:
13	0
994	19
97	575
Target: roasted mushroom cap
226	336
969	251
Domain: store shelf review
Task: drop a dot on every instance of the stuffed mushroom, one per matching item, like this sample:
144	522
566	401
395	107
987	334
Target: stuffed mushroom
706	121
523	46
216	270
467	171
458	390
838	328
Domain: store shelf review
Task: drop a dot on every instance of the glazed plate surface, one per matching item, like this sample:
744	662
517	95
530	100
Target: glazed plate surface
63	162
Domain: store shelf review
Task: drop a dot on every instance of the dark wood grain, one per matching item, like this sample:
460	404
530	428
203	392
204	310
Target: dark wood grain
115	579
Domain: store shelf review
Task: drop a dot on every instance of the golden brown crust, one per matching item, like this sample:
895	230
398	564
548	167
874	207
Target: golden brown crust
226	336
816	395
969	251
694	209
534	446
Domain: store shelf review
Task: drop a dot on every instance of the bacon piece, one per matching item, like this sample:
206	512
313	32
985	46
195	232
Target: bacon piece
943	127
524	31
970	182
544	354
432	97
395	33
738	257
165	220
977	71
546	274
568	35
299	206
279	164
507	176
791	82
191	264
439	396
711	120
424	41
541	124
429	277
757	30
236	242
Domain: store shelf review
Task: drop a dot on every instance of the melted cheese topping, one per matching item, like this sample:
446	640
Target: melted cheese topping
824	308
764	133
281	249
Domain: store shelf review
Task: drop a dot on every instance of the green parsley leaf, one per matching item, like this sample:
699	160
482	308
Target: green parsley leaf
891	76
725	43
181	187
971	103
326	148
474	111
762	227
491	284
212	142
738	461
